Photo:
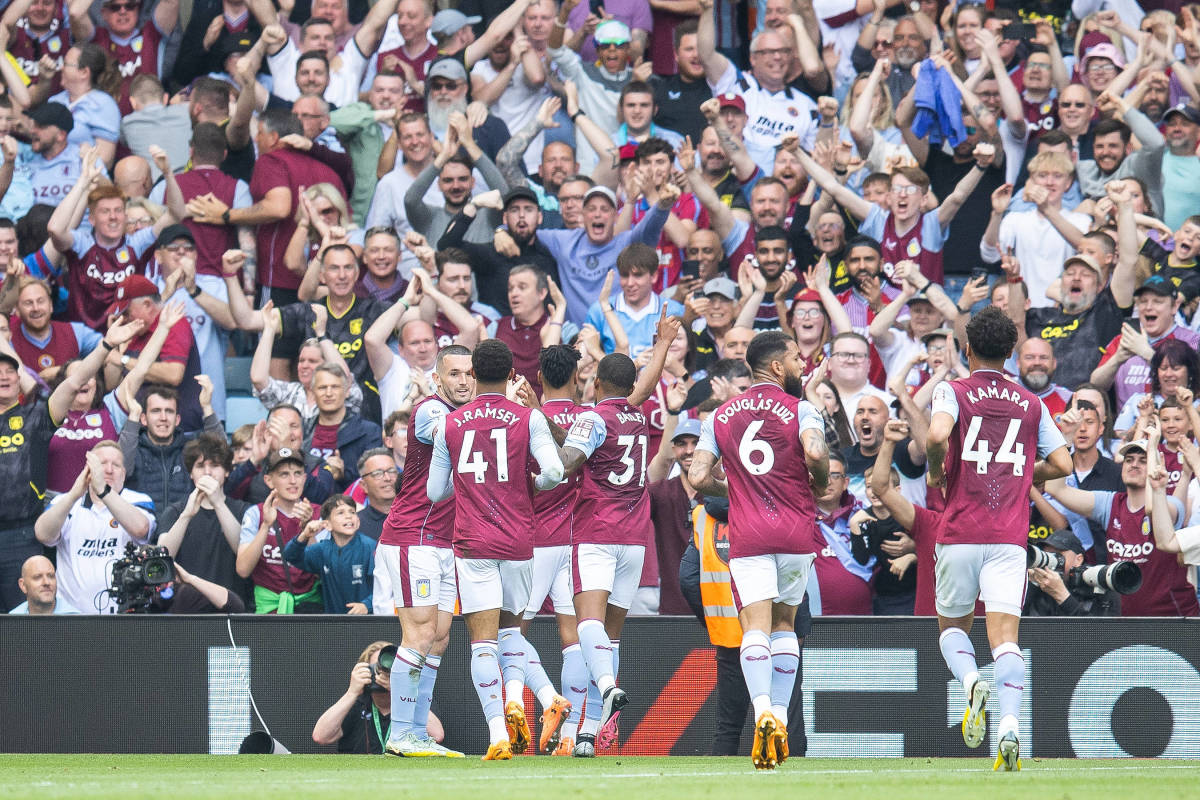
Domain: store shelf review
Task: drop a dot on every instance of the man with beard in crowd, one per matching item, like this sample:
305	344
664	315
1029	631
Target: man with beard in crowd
446	96
1079	325
717	172
456	181
522	218
767	282
414	140
1035	368
908	47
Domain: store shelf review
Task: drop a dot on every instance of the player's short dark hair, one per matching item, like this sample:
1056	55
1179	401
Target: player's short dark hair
770	233
637	257
991	334
557	364
766	347
491	361
208	447
327	508
450	350
618	371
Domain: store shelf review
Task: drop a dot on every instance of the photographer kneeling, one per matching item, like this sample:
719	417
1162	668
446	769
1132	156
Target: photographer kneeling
1062	592
358	722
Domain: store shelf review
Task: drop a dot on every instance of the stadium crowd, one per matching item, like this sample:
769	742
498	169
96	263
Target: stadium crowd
235	240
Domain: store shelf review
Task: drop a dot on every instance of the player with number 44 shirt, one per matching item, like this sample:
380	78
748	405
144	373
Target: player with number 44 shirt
985	440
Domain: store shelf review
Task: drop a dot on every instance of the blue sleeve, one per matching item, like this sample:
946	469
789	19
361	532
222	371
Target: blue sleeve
88	339
873	225
105	119
708	438
429	418
1050	438
933	235
295	553
439	484
81	240
142	240
736	235
1101	508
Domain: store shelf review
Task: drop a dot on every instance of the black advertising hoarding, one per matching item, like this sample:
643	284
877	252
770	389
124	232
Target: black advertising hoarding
873	687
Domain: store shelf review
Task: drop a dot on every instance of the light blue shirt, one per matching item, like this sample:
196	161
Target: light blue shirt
639	326
96	117
60	607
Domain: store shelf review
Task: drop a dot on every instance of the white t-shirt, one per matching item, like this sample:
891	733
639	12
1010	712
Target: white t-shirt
395	384
517	106
88	544
344	77
1038	246
770	115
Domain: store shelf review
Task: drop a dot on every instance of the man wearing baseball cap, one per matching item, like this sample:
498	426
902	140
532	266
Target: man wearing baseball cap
522	217
1050	595
1126	360
1077	327
599	81
55	166
671	500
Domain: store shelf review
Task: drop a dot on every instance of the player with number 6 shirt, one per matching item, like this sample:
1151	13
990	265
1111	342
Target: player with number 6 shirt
483	454
986	440
773	451
612	519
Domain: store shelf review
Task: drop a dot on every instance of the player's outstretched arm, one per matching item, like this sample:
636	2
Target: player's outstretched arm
1080	501
702	478
940	427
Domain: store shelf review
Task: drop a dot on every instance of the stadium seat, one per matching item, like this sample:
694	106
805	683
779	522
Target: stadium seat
237	376
240	410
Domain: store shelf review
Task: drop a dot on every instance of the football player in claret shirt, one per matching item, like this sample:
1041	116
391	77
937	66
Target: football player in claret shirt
415	559
553	514
612	521
484	454
776	462
986	442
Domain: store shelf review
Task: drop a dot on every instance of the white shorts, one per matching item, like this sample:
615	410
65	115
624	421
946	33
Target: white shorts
994	573
420	575
552	577
778	577
487	583
613	568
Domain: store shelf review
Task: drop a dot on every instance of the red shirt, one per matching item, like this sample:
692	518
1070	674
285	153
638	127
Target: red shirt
614	506
670	257
412	519
771	507
989	461
553	508
270	572
137	56
211	240
488	440
1165	590
388	61
525	342
293	170
62	347
324	440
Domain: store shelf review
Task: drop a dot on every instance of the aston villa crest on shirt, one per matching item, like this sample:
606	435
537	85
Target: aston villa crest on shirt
355	327
123	255
914	248
93	420
136	44
54	45
1145	526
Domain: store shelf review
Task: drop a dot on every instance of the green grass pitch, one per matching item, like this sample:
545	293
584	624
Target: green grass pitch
612	778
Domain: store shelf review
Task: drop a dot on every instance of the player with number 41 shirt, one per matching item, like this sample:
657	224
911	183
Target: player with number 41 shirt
985	440
772	447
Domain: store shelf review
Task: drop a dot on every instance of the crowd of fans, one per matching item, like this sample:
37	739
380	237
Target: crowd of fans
331	191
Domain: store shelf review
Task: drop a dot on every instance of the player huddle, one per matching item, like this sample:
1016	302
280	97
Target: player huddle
507	499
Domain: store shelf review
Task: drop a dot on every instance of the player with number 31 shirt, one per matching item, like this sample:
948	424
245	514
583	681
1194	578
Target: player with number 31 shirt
985	440
773	451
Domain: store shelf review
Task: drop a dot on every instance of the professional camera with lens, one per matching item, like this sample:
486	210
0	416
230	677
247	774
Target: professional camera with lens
387	656
139	577
1122	577
1037	558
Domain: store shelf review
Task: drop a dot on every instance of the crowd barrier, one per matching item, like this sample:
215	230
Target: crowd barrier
873	687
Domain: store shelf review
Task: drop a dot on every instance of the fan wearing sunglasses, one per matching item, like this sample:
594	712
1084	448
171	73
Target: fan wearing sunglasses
136	46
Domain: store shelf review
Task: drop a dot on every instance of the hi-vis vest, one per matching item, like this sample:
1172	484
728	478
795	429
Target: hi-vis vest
716	587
